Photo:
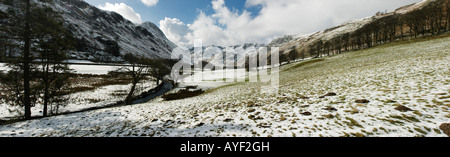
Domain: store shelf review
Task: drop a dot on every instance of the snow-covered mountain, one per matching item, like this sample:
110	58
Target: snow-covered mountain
218	53
96	30
287	42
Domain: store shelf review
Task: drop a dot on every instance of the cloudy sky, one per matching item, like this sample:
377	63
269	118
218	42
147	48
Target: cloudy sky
232	22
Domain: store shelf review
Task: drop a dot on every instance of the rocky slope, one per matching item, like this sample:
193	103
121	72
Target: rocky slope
97	31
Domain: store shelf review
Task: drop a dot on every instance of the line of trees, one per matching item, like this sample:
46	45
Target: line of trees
35	41
432	19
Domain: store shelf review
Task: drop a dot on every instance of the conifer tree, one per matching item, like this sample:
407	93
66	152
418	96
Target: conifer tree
34	33
54	42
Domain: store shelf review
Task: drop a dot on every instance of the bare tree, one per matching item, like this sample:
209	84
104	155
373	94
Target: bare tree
312	50
337	44
137	71
319	45
293	54
357	38
283	58
345	41
326	47
303	54
367	34
433	15
416	22
158	69
447	10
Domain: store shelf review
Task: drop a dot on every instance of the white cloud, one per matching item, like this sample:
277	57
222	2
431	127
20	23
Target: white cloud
150	3
229	27
124	10
175	30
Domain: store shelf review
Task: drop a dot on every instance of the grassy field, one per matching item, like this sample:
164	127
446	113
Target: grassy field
397	89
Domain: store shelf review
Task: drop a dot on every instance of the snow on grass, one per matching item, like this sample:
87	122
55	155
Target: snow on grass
105	95
93	69
208	79
80	68
414	75
98	97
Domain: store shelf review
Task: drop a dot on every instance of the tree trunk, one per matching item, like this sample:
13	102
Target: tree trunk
129	99
447	21
46	89
401	30
26	61
46	97
448	18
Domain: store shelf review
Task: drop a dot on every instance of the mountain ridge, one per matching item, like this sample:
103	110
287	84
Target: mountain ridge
302	41
96	30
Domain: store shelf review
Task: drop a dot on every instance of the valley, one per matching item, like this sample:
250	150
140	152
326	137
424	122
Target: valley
415	77
72	69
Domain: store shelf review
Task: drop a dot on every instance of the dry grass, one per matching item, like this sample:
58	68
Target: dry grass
182	94
86	82
305	63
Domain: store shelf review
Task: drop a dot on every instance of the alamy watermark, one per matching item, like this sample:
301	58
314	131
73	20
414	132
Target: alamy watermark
231	64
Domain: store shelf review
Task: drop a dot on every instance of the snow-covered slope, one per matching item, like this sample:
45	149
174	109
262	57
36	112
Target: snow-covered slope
97	29
152	28
288	41
218	52
413	74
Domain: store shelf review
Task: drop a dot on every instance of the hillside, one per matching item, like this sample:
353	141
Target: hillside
96	31
425	17
219	53
398	89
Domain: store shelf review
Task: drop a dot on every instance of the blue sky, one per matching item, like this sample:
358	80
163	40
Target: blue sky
185	10
234	22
